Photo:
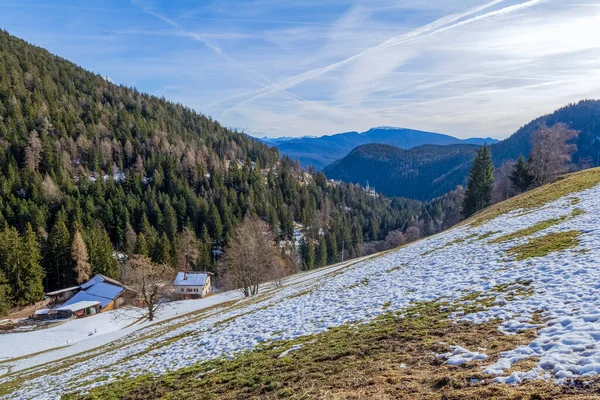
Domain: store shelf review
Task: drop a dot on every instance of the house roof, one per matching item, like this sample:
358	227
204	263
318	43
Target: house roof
190	279
105	290
100	289
54	293
84	297
100	278
81	305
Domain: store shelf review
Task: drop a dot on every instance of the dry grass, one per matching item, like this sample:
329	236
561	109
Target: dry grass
389	358
535	198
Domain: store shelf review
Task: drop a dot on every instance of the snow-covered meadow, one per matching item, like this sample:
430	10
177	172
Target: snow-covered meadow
564	288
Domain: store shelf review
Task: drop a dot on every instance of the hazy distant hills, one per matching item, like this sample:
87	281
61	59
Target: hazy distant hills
428	171
322	151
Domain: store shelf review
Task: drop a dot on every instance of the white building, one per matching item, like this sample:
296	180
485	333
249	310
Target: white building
192	284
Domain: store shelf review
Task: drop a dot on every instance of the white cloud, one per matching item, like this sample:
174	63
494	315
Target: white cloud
465	67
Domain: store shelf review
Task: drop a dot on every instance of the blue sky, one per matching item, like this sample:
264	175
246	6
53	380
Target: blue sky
303	67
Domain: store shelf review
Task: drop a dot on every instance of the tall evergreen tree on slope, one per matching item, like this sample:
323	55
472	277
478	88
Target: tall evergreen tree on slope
480	182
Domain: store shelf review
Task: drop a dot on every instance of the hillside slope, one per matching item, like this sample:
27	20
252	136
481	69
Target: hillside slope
393	325
422	172
137	173
322	151
402	180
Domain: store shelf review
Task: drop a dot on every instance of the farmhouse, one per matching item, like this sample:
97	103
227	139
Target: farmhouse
192	284
101	289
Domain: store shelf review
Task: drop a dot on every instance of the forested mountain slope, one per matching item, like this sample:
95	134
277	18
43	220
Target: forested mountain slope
503	306
322	151
138	174
422	172
428	172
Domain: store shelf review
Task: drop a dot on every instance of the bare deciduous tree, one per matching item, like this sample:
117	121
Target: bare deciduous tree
394	239
412	233
33	153
151	283
251	257
79	252
551	152
51	191
187	250
503	188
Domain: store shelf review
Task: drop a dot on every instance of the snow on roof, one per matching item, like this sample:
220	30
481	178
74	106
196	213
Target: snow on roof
105	290
81	305
190	279
62	291
84	296
100	289
43	311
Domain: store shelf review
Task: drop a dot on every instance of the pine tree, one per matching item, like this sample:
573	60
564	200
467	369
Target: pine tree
165	251
32	270
101	253
204	262
480	182
322	253
332	248
141	246
57	257
521	177
5	295
215	227
79	252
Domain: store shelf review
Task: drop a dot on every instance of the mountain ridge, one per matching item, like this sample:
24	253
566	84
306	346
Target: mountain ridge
323	150
583	116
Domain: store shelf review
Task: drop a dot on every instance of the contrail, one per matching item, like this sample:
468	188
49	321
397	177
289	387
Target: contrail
213	47
297	79
443	24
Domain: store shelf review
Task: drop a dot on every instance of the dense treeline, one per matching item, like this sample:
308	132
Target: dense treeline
115	170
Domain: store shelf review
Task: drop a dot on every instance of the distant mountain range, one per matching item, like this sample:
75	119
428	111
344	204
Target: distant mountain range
322	151
426	172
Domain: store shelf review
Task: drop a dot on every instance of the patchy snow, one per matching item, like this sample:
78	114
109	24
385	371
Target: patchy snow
563	288
459	355
295	347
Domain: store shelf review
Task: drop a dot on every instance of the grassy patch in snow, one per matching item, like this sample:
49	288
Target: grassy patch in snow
544	245
450	243
540	226
538	197
391	357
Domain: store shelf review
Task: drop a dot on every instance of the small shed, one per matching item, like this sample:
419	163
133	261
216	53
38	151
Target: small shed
80	309
192	284
62	295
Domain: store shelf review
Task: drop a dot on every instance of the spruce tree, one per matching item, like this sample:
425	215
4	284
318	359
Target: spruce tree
322	253
521	177
141	245
215	226
5	295
101	253
57	257
32	270
204	262
479	183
